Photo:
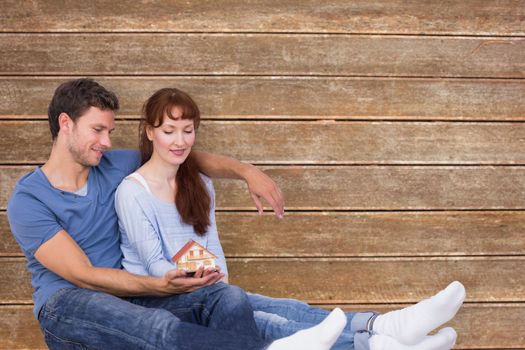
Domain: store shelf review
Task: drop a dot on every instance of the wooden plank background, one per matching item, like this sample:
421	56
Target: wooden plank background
396	129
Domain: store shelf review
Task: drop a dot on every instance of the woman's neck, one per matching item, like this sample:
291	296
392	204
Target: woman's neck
160	177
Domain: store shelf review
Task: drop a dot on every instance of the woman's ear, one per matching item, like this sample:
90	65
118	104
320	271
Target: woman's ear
149	132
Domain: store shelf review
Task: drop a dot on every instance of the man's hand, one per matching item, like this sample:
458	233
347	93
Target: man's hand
260	186
176	281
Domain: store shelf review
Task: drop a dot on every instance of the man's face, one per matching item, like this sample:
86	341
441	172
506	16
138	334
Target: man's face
89	137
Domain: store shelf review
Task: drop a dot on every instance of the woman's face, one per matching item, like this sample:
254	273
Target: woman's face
172	141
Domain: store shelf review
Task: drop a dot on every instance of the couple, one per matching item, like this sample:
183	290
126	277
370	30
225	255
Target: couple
63	216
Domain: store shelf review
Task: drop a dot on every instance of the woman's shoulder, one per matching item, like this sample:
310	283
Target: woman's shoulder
207	182
131	187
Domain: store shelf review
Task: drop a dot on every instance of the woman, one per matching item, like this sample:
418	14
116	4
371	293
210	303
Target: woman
167	202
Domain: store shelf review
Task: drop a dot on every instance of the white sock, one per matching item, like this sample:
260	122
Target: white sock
411	324
442	340
320	337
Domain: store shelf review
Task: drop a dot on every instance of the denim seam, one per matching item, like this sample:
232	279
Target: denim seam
48	333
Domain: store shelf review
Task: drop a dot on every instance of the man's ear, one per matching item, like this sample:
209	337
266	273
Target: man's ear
65	123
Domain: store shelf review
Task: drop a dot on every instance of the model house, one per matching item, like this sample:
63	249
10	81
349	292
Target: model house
192	256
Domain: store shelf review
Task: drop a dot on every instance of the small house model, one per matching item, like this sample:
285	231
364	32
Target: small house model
192	256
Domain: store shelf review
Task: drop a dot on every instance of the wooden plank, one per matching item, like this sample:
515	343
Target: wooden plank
367	187
389	188
372	234
8	245
314	97
357	234
266	54
19	329
479	326
382	280
343	280
296	142
337	16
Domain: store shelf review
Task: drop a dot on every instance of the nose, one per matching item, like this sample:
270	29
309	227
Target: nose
179	139
105	141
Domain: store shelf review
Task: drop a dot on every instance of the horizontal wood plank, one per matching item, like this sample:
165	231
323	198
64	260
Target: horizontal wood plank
372	234
388	188
266	54
19	329
333	234
314	97
479	326
337	16
367	187
343	280
264	142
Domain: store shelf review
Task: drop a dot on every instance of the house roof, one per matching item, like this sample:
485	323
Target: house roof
186	248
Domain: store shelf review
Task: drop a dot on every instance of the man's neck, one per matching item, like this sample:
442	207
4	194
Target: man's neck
63	172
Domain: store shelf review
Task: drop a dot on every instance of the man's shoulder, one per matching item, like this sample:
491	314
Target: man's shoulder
117	164
121	158
29	193
31	182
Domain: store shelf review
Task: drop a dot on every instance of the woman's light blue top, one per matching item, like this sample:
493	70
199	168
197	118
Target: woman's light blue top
152	230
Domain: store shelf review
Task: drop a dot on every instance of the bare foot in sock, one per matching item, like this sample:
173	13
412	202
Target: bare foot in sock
411	324
320	337
442	340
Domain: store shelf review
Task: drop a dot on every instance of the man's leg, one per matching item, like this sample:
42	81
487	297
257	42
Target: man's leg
219	306
76	317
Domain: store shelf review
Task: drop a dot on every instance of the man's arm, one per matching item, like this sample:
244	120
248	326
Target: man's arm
260	185
62	255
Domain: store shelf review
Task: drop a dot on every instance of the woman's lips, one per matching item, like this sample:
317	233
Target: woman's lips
178	152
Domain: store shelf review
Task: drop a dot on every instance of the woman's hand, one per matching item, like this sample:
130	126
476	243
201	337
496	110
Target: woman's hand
176	281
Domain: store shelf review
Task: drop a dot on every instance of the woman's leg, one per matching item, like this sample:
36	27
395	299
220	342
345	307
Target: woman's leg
276	318
411	324
279	317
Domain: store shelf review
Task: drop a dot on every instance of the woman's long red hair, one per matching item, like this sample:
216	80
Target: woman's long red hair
192	199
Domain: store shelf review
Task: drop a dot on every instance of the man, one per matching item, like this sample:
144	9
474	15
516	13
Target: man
62	215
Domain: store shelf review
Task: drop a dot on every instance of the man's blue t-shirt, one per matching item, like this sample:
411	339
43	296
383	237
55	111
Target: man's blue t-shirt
37	211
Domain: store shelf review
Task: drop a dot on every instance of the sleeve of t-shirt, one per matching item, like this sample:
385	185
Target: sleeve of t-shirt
214	243
125	159
31	222
141	234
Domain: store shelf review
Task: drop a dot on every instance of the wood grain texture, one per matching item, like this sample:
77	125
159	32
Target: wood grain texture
343	280
406	17
367	187
266	54
479	326
372	234
389	188
334	234
265	142
313	97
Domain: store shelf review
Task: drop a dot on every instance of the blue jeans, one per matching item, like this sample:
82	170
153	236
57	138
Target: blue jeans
214	317
278	318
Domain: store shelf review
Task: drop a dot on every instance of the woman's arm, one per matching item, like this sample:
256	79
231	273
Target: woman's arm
259	184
